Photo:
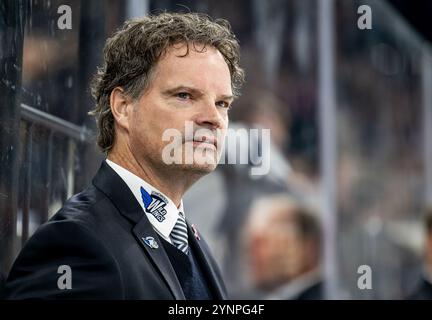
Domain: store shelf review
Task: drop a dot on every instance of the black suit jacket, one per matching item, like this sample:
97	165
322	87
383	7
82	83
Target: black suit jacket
423	291
314	292
99	234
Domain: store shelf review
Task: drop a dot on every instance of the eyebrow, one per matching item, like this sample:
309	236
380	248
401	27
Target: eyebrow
195	91
227	97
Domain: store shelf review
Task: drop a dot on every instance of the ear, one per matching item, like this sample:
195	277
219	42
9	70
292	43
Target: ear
121	107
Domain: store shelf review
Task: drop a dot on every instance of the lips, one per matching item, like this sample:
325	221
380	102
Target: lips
206	139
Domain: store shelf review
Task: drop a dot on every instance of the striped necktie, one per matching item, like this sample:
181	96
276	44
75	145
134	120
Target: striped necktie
179	236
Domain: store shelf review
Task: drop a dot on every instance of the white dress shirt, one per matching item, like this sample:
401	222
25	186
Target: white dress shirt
163	221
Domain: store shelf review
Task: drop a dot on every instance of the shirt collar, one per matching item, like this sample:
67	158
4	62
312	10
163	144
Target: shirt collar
159	209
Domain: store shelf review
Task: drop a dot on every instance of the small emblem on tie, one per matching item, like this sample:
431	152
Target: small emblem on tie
151	242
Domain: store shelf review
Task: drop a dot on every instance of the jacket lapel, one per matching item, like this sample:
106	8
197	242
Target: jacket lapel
107	181
143	230
207	263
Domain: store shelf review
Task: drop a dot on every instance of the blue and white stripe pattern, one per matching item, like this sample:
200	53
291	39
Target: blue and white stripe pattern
179	235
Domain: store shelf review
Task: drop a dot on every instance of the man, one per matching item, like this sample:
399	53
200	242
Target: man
283	239
126	236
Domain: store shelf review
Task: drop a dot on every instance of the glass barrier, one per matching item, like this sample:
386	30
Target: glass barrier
380	151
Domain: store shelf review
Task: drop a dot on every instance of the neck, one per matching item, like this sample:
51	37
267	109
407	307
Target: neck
170	182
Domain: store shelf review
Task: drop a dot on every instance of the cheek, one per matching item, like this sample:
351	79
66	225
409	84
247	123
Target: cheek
221	134
225	120
143	131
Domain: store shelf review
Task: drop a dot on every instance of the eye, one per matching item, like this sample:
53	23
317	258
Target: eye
183	95
223	104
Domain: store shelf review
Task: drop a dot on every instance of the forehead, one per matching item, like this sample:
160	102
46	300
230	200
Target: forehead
193	65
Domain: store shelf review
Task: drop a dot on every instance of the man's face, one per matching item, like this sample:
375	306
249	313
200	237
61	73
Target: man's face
192	91
276	251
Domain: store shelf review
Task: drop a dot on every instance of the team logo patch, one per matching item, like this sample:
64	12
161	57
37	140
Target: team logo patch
151	242
154	204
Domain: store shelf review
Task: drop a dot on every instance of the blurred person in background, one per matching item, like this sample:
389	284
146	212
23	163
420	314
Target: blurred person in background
283	244
256	109
424	288
261	109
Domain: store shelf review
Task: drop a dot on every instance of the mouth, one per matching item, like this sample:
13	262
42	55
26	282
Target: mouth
205	141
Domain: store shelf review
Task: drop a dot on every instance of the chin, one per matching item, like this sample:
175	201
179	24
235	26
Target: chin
204	163
199	168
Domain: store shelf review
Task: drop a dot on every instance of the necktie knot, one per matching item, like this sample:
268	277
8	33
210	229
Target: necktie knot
179	236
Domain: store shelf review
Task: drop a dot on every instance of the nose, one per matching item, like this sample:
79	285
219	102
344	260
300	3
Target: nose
210	116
